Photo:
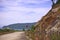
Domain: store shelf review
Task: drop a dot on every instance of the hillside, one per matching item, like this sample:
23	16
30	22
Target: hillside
48	28
49	24
19	26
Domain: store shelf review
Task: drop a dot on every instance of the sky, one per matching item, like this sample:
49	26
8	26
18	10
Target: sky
22	11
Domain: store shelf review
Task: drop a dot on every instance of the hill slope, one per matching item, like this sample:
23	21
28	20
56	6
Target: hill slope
19	26
49	24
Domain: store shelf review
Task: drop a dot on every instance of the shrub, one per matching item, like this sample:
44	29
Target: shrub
32	28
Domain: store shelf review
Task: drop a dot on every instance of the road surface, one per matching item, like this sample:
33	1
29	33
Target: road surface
14	36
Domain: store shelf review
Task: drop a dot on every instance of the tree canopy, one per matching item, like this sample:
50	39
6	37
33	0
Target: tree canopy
58	2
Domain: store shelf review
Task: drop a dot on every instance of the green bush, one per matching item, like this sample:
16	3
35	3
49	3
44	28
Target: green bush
32	28
5	31
23	29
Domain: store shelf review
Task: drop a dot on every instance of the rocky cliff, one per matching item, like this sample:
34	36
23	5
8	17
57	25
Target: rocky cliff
49	24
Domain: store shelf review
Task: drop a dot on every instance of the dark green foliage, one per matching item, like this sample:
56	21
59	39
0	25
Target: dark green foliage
58	2
1	30
53	2
5	31
23	29
32	28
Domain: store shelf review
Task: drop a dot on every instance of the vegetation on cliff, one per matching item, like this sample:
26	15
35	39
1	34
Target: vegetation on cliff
48	28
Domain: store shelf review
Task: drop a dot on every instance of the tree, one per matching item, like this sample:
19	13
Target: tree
53	2
58	2
32	28
23	29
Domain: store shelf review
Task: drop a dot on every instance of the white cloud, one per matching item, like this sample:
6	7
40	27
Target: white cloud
33	1
13	13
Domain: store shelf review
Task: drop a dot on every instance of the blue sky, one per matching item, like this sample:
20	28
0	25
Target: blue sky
22	11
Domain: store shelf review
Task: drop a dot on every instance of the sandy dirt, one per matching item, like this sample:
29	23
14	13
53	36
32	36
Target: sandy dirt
14	36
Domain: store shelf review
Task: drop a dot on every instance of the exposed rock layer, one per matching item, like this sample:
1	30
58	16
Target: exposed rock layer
49	24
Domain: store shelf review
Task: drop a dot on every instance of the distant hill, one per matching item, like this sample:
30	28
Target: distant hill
19	26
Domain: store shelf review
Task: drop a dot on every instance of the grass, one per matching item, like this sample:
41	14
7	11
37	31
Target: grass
5	31
55	36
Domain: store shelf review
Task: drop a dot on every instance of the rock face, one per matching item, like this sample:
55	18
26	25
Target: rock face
49	24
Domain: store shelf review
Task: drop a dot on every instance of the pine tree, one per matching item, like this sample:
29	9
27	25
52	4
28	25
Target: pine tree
52	3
